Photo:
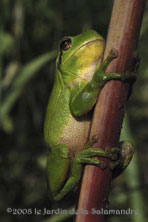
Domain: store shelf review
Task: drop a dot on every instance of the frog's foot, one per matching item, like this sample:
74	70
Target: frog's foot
102	77
85	156
128	77
126	154
120	157
113	153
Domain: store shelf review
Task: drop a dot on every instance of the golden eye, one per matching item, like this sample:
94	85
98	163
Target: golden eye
65	44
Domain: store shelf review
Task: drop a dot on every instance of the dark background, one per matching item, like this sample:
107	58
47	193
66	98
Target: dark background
29	34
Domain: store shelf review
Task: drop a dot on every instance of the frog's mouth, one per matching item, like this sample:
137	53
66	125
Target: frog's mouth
85	44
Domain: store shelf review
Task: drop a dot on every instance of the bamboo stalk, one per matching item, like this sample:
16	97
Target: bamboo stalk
107	121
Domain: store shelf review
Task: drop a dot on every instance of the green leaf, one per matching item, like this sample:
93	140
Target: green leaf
6	42
25	74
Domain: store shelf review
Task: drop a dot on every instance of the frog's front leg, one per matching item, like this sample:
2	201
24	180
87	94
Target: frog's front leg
83	100
126	155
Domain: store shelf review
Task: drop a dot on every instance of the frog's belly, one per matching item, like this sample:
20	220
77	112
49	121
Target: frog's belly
76	133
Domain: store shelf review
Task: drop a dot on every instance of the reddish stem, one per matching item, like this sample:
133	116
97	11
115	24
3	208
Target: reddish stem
123	35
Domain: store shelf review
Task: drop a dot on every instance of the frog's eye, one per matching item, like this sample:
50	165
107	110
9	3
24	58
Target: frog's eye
65	44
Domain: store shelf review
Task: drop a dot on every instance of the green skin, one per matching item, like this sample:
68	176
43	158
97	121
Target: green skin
80	75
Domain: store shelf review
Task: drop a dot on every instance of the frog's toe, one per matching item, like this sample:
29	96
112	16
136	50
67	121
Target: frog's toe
91	142
113	153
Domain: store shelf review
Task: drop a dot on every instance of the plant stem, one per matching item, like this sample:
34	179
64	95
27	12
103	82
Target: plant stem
109	111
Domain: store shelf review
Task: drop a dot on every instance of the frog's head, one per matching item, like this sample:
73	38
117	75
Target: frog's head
80	55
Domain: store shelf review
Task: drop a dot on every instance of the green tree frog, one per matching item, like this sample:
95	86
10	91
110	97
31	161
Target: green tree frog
80	74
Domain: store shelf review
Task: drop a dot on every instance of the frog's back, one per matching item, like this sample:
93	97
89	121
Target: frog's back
60	126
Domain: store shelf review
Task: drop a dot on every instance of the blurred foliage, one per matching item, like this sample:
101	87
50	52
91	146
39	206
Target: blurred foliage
29	34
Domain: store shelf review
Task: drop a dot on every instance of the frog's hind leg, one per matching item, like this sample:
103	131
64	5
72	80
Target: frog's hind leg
81	158
126	155
58	165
